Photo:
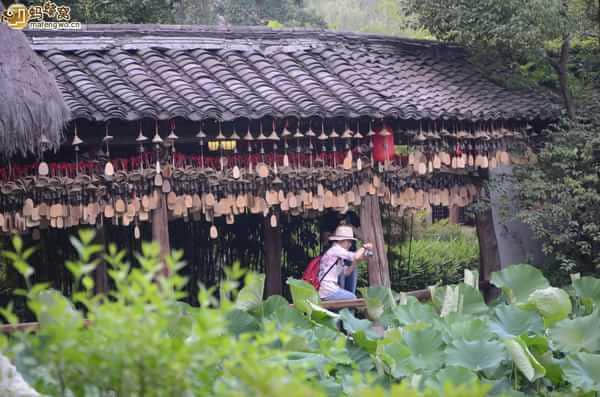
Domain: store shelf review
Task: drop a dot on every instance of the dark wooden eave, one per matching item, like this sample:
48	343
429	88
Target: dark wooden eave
154	71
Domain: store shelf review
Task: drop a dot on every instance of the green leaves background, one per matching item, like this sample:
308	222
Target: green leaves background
143	341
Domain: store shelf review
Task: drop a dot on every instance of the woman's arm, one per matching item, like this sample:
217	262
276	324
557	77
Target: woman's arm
358	256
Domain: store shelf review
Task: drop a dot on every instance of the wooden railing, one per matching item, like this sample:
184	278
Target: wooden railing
422	295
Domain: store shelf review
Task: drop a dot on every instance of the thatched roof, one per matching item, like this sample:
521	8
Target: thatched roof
31	104
136	71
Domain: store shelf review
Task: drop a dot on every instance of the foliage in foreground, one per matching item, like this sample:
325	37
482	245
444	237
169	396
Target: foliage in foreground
142	342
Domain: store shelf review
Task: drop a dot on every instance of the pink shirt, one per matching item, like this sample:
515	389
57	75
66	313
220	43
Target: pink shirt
334	256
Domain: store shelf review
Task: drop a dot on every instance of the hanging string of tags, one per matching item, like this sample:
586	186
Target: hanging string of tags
479	147
127	198
439	169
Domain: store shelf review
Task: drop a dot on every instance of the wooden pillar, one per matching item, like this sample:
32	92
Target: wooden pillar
160	227
272	247
101	272
489	258
372	232
454	214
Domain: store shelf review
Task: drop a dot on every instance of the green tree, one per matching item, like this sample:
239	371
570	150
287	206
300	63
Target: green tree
370	16
543	30
259	12
558	195
130	11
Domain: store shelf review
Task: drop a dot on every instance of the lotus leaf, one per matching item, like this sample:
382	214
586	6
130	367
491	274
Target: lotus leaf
510	321
451	375
552	303
414	311
519	281
476	355
301	293
251	295
583	370
524	360
380	302
467	327
588	289
578	334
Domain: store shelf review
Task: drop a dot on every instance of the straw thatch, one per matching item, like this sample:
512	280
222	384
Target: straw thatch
31	104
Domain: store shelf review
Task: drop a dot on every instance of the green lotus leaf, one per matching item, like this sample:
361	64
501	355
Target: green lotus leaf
588	289
394	356
414	311
239	322
251	295
460	298
553	369
476	355
322	315
519	281
460	326
537	344
301	293
305	360
471	300
353	324
582	370
451	300
510	321
471	278
554	304
524	360
578	334
361	330
379	301
286	314
272	304
451	375
426	347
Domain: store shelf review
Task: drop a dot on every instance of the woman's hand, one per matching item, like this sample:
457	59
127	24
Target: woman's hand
368	246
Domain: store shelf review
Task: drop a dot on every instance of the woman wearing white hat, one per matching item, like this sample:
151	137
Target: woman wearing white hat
332	267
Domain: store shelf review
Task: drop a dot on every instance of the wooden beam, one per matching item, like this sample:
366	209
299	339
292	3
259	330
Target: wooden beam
160	228
272	249
489	258
372	232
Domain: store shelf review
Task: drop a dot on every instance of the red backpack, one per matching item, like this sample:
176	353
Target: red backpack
311	274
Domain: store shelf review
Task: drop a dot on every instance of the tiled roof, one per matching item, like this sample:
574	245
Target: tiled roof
136	71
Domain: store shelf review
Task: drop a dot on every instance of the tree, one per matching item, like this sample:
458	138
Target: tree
259	12
541	29
558	196
370	16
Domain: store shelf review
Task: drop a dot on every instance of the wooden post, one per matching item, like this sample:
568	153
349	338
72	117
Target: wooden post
101	272
272	247
489	258
160	227
454	214
372	232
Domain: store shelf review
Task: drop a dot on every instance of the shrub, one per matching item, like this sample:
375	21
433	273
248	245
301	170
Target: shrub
439	252
142	341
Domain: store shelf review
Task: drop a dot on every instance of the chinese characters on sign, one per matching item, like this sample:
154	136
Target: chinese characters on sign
19	16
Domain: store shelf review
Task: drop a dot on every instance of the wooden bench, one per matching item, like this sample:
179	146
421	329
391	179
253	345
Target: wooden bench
422	295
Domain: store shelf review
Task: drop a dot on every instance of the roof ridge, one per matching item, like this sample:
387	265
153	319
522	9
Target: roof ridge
254	32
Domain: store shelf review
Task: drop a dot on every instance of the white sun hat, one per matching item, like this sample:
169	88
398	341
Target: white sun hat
342	233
